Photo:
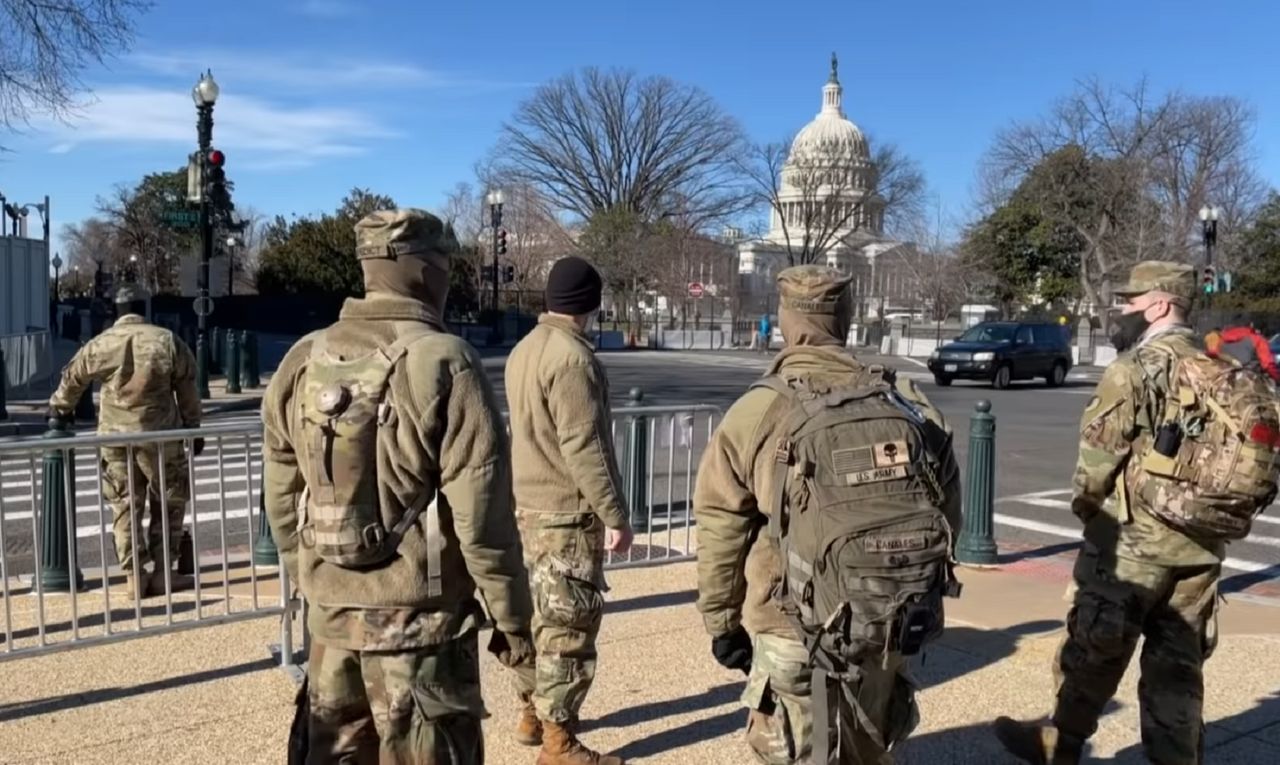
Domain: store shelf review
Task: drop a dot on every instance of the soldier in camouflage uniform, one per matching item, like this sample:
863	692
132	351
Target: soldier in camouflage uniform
739	563
570	506
1135	575
148	383
394	674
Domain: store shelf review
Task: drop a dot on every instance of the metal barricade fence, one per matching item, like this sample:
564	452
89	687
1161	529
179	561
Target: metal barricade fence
49	606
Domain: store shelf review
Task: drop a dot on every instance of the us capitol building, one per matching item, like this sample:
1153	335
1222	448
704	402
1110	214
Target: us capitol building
831	144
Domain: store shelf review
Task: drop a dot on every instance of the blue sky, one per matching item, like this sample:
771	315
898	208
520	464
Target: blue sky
319	96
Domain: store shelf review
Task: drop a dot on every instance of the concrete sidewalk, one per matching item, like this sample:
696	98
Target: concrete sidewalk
212	694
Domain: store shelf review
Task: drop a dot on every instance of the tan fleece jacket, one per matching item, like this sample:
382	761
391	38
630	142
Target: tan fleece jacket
452	439
558	399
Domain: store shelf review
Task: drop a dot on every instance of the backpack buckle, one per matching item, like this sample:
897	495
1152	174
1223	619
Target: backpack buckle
373	536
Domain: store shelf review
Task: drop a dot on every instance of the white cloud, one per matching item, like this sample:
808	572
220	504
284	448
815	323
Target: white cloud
302	72
252	131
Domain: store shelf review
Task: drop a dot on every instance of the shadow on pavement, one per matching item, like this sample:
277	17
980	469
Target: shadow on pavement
965	649
1229	740
21	709
688	734
656	600
1046	551
1242	582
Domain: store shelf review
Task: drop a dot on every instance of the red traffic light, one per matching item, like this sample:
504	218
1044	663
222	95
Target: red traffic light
217	158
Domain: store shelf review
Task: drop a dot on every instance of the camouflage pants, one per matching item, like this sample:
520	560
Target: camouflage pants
780	718
1116	602
419	707
565	557
127	507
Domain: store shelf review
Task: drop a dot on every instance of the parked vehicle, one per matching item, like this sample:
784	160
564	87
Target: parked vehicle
1004	351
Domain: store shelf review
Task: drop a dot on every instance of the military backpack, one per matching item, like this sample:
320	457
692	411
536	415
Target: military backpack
348	418
1213	462
857	516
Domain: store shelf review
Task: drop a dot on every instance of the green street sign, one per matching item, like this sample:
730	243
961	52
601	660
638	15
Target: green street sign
180	218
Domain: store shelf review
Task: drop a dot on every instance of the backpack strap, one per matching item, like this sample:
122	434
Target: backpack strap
411	333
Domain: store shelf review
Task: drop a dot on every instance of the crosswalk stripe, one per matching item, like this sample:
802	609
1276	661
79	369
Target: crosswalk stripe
229	478
1042	500
1238	564
25	515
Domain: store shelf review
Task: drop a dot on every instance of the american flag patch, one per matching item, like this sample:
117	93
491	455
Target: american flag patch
856	460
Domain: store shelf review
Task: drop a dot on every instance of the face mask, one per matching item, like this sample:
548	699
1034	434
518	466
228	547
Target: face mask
1127	329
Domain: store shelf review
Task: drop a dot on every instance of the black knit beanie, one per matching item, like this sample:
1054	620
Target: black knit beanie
573	287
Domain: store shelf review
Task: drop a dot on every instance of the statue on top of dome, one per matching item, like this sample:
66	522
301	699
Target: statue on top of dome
834	64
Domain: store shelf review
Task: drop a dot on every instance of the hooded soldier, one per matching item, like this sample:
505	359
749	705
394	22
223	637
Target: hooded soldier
148	379
388	489
739	562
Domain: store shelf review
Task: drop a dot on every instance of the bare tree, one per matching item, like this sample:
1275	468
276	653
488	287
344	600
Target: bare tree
602	140
247	250
820	195
1128	171
45	45
87	243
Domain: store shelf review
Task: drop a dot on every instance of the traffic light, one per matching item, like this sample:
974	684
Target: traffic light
509	274
216	179
502	241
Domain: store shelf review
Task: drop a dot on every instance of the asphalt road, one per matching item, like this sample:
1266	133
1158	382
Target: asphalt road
1035	452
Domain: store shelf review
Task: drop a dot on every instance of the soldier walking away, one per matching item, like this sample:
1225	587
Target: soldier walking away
824	470
388	489
147	378
569	504
1178	453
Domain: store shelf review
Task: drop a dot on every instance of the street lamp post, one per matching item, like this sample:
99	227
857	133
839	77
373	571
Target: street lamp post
1209	228
495	219
205	94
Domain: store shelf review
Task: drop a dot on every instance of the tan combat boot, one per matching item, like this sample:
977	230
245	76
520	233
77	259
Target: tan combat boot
528	727
1039	743
561	747
131	585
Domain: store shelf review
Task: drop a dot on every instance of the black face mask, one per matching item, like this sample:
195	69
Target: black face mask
1127	329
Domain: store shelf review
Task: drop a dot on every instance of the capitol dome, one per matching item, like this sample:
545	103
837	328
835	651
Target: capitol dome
831	134
828	169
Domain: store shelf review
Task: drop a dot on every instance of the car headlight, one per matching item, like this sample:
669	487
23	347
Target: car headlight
934	356
984	356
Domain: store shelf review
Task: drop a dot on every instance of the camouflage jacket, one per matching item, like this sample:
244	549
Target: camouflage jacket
1119	421
148	379
738	563
452	440
558	397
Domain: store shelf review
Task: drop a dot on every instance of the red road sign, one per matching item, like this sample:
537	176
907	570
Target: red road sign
695	290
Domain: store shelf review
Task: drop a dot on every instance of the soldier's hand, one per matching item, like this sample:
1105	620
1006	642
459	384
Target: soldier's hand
618	540
197	446
513	649
733	649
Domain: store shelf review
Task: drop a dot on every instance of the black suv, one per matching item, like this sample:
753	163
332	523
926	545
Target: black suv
1004	351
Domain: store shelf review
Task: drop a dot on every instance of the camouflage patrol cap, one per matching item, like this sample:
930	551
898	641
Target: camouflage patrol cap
1177	279
131	293
811	289
408	232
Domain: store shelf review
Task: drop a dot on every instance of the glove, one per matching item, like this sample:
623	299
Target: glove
197	446
513	649
733	649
